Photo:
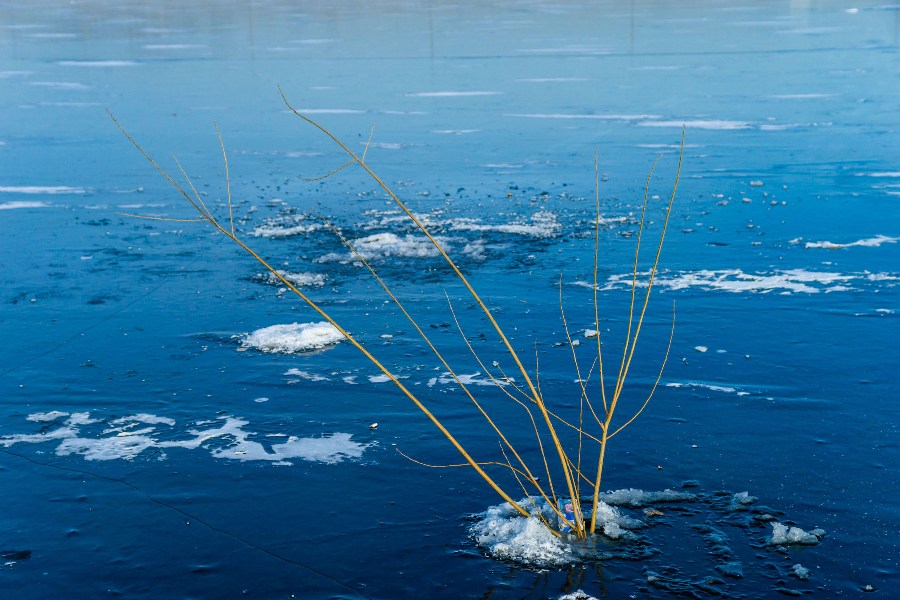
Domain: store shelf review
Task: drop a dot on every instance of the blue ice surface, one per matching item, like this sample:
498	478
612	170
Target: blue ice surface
491	113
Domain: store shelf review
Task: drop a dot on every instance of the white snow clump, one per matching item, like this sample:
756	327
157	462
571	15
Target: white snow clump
293	338
782	535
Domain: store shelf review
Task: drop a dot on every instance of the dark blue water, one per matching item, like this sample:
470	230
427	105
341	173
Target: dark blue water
148	454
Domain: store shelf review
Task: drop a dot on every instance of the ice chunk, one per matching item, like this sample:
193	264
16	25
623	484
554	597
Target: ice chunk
800	572
293	338
579	595
741	500
22	204
615	524
544	224
450	94
42	189
872	242
305	375
505	534
446	378
47	416
297	279
714	124
782	535
635	498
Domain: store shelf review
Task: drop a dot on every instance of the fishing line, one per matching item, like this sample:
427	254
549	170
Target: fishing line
184	513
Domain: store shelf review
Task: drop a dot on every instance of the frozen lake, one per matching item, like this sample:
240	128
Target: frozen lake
166	431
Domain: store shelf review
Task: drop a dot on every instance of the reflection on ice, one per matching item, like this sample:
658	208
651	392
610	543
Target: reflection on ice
127	437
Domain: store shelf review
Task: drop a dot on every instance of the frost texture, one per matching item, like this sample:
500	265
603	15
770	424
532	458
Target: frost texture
293	338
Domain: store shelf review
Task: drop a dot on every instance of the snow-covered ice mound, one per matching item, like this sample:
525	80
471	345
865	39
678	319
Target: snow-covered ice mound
293	338
689	542
506	535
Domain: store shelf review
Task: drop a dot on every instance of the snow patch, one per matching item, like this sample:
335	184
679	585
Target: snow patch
872	242
305	375
41	189
125	439
293	338
97	63
21	204
297	279
736	281
450	94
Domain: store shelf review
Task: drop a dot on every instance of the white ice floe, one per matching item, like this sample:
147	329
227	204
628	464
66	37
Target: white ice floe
872	242
286	226
569	116
551	79
46	416
577	595
801	96
880	174
60	85
97	63
800	572
293	338
305	375
543	224
714	124
451	94
707	386
331	111
123	440
635	498
446	378
22	204
742	499
701	349
736	281
173	46
41	189
455	131
782	535
386	245
297	279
